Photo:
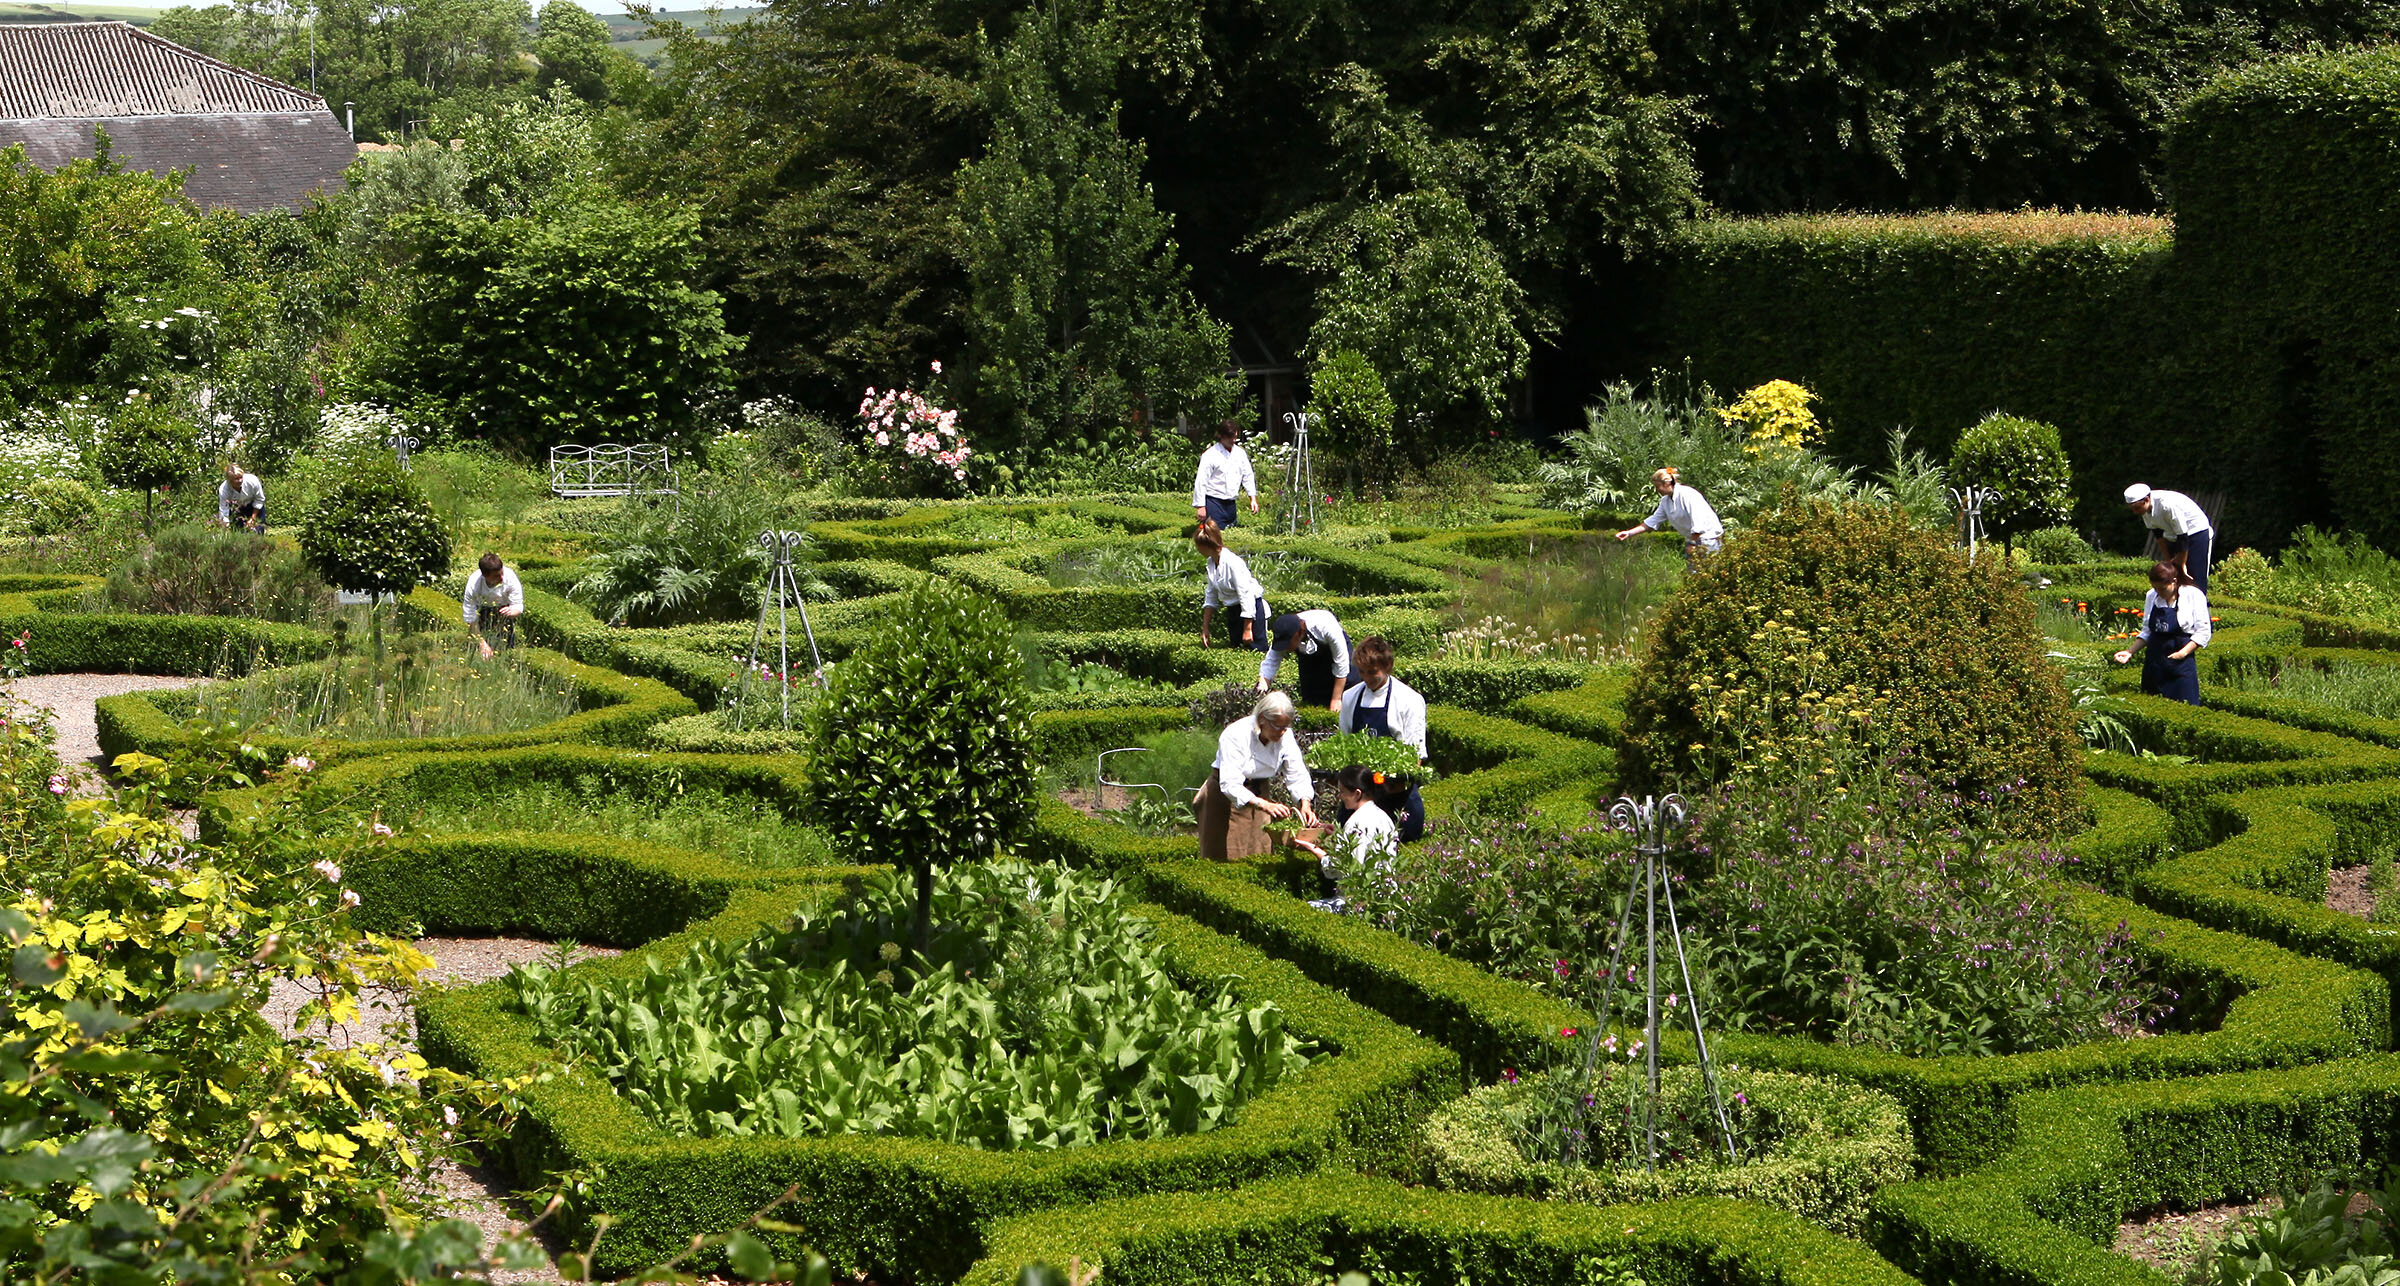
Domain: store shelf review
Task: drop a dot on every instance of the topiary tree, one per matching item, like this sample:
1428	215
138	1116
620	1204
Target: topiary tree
375	534
1356	411
145	447
1822	611
2023	461
922	749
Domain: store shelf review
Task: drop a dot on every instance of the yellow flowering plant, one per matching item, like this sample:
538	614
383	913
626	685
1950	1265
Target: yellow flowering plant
1775	418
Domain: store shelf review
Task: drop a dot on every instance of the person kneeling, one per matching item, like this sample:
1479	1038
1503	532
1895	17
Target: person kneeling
1368	842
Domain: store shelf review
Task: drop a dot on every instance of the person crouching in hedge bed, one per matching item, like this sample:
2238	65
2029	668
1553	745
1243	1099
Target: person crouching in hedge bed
1230	585
1383	706
2174	629
1252	751
1370	839
1324	656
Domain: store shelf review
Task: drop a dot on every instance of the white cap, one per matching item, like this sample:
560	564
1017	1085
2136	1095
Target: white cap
2137	493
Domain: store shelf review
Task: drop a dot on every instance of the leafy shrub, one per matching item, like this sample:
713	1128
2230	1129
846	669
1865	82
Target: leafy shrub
375	534
2244	573
1848	905
147	446
2064	545
201	569
1357	414
2335	574
800	442
1366	750
1853	607
1038	1016
922	746
2023	461
347	430
1608	462
2313	1239
698	559
1520	900
907	446
60	505
1774	417
1816	1147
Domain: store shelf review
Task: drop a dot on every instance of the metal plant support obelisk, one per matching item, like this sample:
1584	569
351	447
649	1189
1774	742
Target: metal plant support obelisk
1300	476
1653	823
1969	502
782	596
401	444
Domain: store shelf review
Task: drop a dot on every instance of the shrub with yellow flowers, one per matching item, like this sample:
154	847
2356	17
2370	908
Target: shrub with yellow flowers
1774	418
1848	615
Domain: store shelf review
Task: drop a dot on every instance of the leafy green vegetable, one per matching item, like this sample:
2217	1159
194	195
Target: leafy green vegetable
1366	750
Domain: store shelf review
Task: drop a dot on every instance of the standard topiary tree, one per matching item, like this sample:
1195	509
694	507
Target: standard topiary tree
1356	412
145	447
2025	463
1820	610
921	753
375	534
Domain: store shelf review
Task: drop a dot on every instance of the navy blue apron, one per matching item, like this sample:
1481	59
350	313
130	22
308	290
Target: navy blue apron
1409	816
1224	513
1258	625
2175	680
1316	673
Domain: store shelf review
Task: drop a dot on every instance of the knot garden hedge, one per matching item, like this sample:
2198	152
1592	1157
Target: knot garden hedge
2280	1068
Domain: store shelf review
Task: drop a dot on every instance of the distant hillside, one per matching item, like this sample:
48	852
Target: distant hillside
140	16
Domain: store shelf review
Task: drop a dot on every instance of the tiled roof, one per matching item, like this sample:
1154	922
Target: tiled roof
81	70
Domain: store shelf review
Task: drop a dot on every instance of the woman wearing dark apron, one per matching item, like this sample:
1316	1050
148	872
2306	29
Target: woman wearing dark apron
1229	584
1383	706
1324	651
2175	627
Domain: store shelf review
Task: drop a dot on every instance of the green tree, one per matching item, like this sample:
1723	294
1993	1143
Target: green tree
145	447
1354	412
375	534
575	52
1079	321
574	324
2025	464
922	748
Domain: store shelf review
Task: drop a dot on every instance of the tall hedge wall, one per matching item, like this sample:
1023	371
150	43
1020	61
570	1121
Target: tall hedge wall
2242	353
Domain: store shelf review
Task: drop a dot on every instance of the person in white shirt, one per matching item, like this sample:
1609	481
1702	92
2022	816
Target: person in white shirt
1383	706
1224	475
1230	584
2175	627
2182	525
1684	509
242	500
493	602
1252	752
1324	655
1369	842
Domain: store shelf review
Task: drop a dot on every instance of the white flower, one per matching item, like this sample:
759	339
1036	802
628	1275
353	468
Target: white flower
449	1115
326	868
380	829
349	897
300	763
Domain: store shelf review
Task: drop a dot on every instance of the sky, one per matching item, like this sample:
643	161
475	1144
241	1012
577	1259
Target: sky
613	7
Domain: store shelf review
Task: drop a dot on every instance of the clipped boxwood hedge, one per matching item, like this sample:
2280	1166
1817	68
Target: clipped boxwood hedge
915	1209
62	638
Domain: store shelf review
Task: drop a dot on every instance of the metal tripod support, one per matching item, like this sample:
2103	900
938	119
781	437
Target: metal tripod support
782	596
1300	476
1969	501
401	444
1654	822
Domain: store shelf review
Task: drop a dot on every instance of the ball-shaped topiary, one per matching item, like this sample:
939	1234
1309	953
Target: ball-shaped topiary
375	534
1820	605
921	751
2025	464
145	447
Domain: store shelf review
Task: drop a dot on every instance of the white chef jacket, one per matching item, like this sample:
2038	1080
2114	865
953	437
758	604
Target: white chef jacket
1687	511
508	593
1322	626
1370	840
1223	474
2191	612
1404	711
230	497
2175	515
1230	584
1240	757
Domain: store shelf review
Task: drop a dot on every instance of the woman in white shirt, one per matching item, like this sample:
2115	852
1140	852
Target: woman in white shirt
1383	706
1230	584
1687	511
1252	752
1369	841
1224	475
2175	627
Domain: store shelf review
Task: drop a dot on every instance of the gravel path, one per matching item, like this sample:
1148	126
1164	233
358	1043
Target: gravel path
70	697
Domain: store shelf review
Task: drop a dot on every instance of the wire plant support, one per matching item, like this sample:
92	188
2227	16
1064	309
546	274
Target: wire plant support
1299	477
1654	824
611	469
783	596
1970	502
401	444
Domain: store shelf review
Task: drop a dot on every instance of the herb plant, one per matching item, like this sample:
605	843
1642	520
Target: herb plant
1385	755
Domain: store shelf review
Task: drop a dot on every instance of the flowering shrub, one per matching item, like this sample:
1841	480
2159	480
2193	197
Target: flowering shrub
1775	417
912	447
350	428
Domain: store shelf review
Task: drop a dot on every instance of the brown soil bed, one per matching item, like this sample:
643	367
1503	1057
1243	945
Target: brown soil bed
2346	891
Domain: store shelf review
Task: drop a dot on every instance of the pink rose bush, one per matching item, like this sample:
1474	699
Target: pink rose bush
916	447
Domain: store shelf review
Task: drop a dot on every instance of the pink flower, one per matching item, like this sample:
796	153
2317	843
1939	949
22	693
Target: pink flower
380	829
300	763
882	439
58	785
327	868
937	368
349	897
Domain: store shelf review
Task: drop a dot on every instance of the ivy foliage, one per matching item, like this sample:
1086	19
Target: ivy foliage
922	749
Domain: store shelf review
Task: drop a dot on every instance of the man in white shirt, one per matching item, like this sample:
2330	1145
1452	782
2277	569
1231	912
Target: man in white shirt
2182	526
1252	752
1324	649
1687	511
242	500
493	602
1224	475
